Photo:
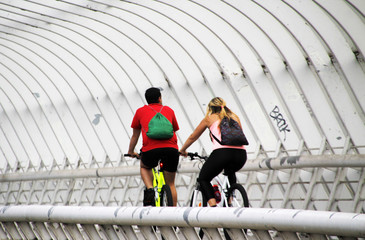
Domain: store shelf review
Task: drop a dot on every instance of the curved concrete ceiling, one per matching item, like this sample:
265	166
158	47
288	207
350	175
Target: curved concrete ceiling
72	74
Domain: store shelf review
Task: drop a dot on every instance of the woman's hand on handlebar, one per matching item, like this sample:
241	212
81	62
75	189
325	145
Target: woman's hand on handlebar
192	155
196	156
183	153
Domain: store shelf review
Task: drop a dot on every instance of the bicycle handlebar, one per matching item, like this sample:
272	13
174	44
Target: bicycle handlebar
193	155
129	155
190	154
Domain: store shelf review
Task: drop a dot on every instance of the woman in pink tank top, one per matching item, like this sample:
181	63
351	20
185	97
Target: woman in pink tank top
225	158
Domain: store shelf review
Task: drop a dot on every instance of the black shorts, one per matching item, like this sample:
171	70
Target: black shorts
169	158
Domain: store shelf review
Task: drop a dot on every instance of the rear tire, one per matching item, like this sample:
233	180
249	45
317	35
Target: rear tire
166	196
200	201
240	199
238	192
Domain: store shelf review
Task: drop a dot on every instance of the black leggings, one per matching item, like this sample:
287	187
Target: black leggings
228	159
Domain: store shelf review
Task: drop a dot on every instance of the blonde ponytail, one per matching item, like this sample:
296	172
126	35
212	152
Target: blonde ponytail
218	105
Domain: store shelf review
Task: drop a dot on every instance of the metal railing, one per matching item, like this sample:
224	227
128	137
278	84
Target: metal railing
292	162
327	183
76	222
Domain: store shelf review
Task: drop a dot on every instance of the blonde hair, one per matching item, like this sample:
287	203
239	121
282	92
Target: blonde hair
218	106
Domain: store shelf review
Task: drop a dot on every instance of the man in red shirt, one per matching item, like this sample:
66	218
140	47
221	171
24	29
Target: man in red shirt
155	149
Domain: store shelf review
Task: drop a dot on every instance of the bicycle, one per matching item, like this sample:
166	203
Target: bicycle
233	195
163	196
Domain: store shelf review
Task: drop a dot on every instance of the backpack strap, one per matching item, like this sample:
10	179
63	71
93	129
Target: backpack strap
155	110
212	135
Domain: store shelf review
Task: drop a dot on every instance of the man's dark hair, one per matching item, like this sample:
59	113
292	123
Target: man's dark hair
152	95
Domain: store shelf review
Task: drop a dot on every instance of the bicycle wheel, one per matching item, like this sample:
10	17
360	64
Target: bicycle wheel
200	201
166	196
237	196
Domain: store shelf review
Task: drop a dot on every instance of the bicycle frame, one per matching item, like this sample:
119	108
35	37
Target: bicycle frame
158	182
195	195
224	186
228	192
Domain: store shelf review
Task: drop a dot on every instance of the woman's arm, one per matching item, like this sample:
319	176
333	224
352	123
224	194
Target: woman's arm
198	131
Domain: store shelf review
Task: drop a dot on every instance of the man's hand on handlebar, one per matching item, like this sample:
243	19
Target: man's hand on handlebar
133	154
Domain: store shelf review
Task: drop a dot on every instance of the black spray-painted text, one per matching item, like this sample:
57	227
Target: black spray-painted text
280	121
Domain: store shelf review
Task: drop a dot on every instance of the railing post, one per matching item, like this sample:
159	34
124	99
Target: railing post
288	235
57	231
148	232
261	234
42	231
26	230
168	233
91	232
235	233
213	233
189	233
127	232
12	230
109	231
3	234
72	230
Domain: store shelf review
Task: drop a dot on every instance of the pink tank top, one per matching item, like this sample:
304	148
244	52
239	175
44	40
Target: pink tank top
214	128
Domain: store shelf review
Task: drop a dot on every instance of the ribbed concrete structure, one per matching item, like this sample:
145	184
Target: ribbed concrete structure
72	74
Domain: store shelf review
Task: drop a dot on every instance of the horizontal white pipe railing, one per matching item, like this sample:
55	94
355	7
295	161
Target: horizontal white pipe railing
260	221
190	167
327	183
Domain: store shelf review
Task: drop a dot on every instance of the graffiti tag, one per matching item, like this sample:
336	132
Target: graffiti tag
280	121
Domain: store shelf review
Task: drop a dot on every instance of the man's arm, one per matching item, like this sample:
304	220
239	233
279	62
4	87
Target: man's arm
133	142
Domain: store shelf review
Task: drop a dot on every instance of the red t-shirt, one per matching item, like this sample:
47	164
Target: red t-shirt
142	118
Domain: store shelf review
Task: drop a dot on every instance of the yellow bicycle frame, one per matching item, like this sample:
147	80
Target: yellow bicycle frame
158	182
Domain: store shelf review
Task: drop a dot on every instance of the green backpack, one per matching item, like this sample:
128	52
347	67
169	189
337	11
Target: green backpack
160	127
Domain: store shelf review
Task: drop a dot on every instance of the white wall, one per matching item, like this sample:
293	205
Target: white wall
72	74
